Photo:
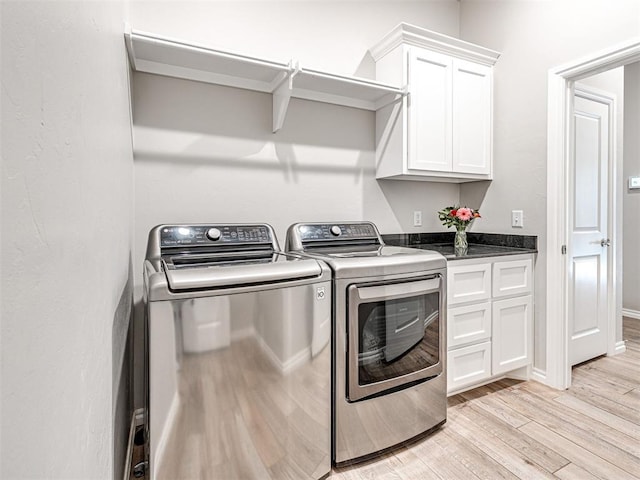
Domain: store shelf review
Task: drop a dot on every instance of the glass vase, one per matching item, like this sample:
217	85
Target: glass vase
460	244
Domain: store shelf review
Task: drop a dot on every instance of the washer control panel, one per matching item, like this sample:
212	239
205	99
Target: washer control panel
194	235
337	231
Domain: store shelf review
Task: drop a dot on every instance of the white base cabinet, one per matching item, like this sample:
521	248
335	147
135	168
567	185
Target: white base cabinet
489	319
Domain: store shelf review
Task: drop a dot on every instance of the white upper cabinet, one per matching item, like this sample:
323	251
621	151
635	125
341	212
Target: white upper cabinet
441	131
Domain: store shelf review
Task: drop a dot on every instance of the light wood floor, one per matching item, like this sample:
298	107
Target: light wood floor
512	429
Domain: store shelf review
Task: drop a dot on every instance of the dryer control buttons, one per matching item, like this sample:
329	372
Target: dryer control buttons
335	230
214	234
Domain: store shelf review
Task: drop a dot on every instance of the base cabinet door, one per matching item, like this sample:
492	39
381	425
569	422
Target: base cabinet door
468	365
512	334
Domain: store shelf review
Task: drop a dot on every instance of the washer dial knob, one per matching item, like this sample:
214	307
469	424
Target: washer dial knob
335	230
214	234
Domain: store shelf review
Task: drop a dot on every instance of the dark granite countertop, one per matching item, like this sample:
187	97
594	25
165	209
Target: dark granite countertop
480	244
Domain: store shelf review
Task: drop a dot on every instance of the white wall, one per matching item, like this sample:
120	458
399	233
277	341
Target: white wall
631	198
533	37
206	153
66	235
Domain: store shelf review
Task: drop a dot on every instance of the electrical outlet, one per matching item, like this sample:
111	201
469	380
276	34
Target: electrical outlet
417	218
517	218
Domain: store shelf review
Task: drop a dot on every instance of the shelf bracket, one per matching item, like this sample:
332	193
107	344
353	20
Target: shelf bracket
282	95
392	98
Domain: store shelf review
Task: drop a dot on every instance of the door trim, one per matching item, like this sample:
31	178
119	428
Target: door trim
560	111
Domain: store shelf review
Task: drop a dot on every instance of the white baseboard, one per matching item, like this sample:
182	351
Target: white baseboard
242	333
539	375
620	347
631	313
522	373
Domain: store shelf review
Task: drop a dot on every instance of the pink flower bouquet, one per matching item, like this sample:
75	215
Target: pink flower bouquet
459	217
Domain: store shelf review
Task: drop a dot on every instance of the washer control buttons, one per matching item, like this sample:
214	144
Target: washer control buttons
335	230
214	234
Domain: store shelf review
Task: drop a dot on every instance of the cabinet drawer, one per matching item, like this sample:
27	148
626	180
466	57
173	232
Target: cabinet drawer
512	333
513	277
468	365
468	283
468	324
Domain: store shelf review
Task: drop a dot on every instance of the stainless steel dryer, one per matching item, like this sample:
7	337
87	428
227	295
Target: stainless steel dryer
389	379
239	366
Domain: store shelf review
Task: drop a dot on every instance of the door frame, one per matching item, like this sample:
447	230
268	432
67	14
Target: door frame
559	134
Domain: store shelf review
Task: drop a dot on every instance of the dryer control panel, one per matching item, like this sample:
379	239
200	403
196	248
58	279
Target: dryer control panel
336	231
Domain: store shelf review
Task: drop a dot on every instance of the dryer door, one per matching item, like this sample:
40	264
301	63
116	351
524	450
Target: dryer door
394	335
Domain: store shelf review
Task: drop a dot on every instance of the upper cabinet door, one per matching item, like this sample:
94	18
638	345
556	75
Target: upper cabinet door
429	111
472	133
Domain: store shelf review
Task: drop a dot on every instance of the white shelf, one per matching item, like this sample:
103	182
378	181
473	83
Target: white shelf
151	53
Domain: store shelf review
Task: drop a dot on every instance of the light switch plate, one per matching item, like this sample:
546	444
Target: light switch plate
417	218
517	218
634	182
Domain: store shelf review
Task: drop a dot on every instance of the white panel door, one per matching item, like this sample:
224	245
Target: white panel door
471	117
429	111
589	227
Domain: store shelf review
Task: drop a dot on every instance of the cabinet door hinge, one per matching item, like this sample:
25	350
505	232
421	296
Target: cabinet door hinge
564	249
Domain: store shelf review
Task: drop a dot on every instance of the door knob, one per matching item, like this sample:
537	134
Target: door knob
605	242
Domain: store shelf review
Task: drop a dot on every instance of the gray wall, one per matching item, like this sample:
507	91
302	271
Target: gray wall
533	36
631	198
66	238
206	153
67	174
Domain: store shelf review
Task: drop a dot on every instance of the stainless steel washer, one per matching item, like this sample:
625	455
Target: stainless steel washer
389	341
239	358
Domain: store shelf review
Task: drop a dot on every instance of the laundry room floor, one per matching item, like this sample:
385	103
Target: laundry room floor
515	429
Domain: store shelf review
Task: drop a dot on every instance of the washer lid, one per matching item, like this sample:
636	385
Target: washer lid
386	260
221	273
